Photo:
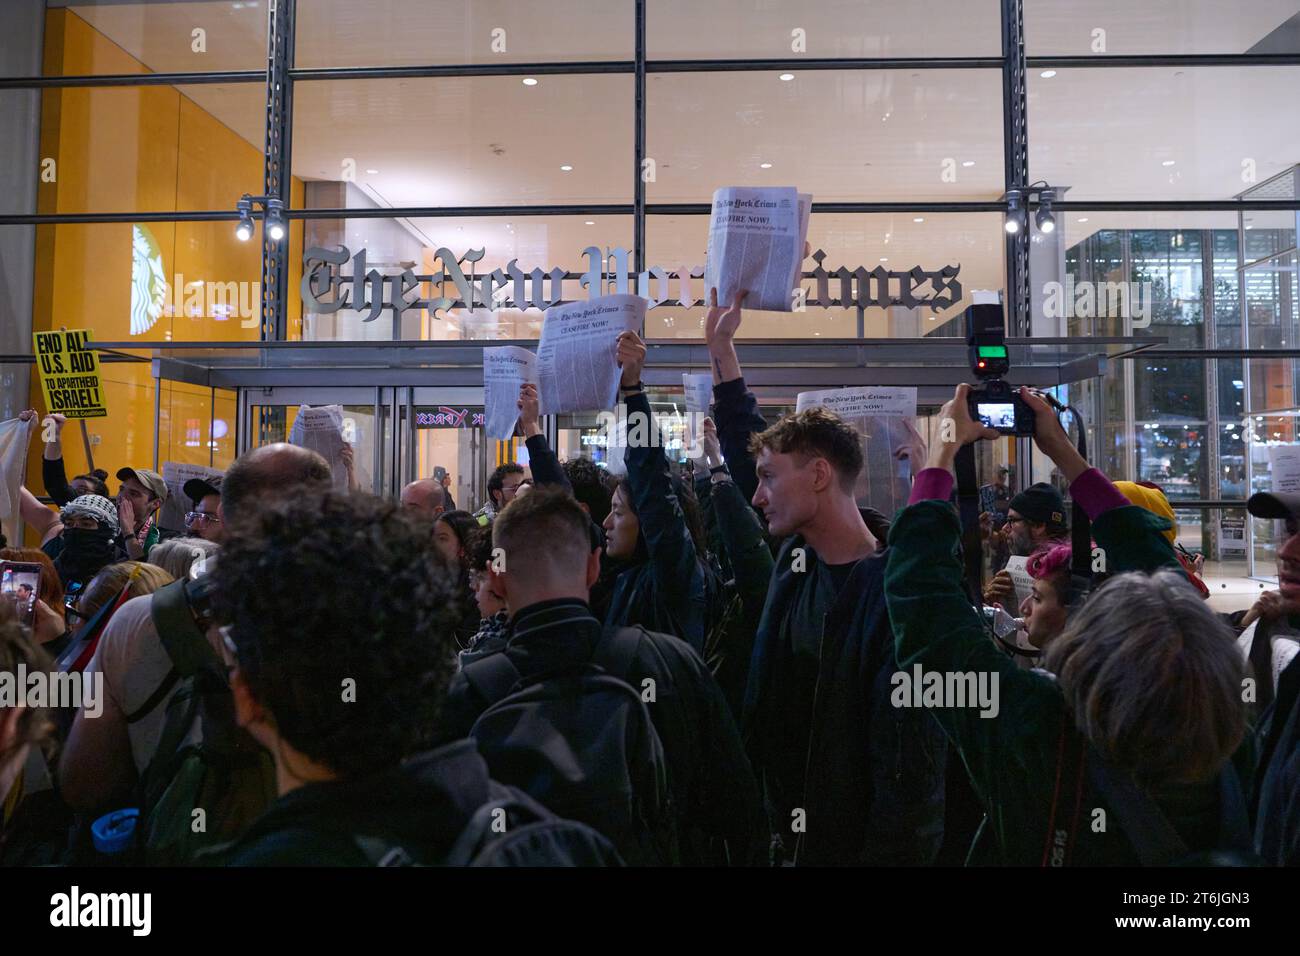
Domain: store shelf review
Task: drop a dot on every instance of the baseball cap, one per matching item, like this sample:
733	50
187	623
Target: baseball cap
150	479
196	489
1274	504
94	506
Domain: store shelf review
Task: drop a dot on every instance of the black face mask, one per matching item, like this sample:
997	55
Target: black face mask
85	550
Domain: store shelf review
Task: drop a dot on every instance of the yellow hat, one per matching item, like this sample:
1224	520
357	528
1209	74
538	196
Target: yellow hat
1153	500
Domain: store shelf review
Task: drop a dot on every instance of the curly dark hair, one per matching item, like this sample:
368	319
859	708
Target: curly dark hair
478	547
590	486
296	583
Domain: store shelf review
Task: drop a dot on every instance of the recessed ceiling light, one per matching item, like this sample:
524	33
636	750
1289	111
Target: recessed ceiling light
372	172
591	222
764	165
884	258
1082	219
919	219
1047	74
787	77
1167	162
969	163
567	169
529	81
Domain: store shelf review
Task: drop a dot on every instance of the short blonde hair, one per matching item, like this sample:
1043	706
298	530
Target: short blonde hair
1153	678
105	586
177	555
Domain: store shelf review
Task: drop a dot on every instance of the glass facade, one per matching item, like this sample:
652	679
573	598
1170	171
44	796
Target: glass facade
573	136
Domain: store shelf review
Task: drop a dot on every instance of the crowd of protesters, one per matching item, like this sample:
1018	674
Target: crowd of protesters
727	664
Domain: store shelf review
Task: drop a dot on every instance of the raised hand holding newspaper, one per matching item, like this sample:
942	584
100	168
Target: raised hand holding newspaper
756	243
577	366
881	415
505	368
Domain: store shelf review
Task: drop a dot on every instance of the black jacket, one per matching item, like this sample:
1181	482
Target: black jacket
422	805
670	589
874	781
712	784
1277	777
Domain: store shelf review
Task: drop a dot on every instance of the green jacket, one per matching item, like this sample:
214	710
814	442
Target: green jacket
1024	763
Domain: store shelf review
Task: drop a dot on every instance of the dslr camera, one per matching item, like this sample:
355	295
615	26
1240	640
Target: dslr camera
995	403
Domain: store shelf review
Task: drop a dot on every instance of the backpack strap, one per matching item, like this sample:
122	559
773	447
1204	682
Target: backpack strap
493	676
478	831
155	698
181	638
1148	830
616	650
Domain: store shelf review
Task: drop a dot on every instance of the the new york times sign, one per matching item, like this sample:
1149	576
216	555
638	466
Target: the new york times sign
326	289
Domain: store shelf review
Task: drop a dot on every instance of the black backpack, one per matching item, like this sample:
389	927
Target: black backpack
225	773
580	740
511	829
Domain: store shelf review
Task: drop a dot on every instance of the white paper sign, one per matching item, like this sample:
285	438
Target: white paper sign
861	402
505	368
756	243
1018	568
320	429
883	417
699	392
1284	464
175	474
577	362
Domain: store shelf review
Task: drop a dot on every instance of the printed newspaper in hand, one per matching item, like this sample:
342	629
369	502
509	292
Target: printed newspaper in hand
883	416
320	429
756	243
505	368
577	357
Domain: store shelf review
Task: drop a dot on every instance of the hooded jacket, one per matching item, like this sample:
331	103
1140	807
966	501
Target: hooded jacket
422	805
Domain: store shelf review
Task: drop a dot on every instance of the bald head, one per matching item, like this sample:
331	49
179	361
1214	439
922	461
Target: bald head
425	496
272	470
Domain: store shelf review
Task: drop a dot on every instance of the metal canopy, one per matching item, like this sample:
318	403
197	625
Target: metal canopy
775	368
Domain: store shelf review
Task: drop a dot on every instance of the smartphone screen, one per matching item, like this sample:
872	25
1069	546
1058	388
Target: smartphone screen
20	584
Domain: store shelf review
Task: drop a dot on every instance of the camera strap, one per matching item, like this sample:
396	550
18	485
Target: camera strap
968	507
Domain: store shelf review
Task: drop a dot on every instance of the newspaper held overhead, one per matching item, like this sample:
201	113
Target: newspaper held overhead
699	392
505	369
884	417
321	430
171	517
1284	466
756	243
577	357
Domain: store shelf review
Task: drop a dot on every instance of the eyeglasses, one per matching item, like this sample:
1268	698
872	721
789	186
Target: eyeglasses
201	517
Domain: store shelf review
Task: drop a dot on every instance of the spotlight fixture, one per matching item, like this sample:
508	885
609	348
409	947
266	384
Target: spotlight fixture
244	231
1013	197
273	217
274	221
1044	219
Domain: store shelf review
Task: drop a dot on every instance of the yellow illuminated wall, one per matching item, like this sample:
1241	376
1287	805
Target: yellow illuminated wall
151	149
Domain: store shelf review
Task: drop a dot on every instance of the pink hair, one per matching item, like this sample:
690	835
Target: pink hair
1049	560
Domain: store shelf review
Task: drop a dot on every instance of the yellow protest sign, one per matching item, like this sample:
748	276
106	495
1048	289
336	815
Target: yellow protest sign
69	373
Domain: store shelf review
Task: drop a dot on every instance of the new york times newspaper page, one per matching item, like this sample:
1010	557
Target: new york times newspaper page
756	243
577	356
882	417
505	368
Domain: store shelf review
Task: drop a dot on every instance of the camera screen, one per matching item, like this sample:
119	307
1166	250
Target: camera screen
997	414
